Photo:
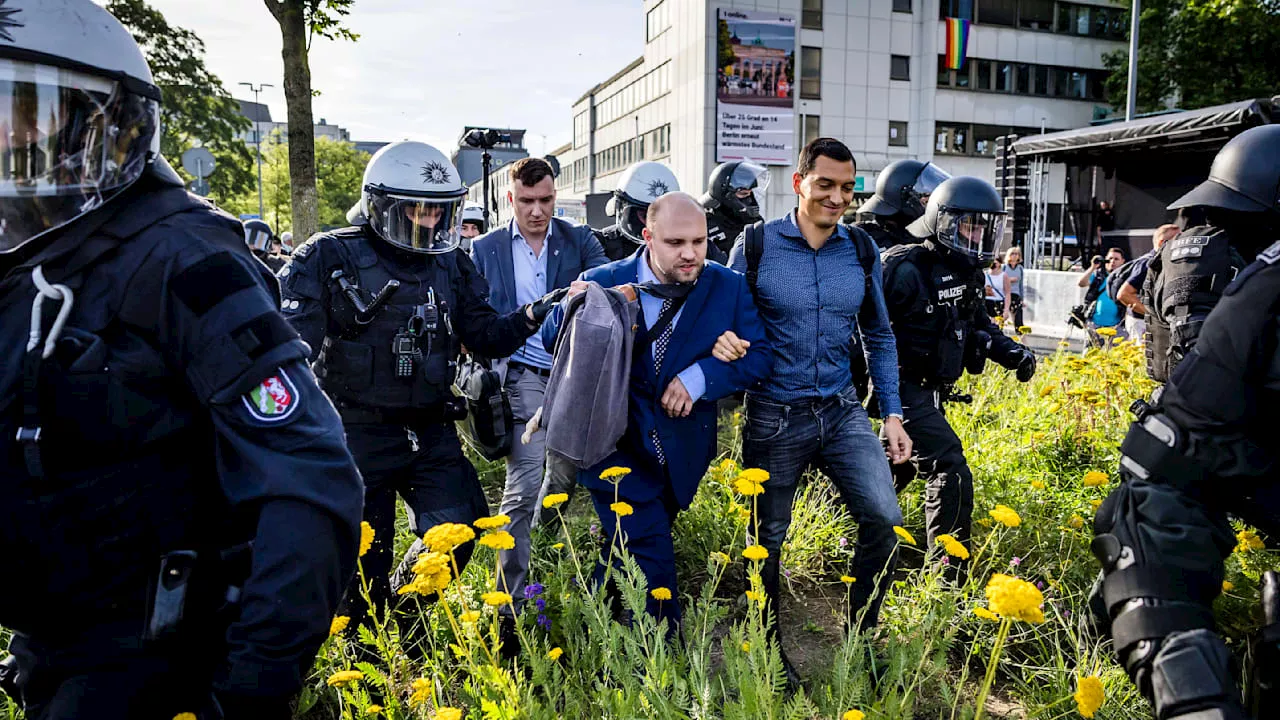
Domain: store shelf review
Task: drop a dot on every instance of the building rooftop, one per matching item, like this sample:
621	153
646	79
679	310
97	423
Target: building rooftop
630	66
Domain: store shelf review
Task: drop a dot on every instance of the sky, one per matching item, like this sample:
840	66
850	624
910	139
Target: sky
424	69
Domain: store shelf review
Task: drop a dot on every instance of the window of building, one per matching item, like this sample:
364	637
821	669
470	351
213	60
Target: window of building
811	15
811	73
984	139
944	72
657	21
1040	79
897	133
950	139
956	8
1023	84
899	67
998	12
963	77
902	6
982	74
810	128
1035	14
581	128
1004	77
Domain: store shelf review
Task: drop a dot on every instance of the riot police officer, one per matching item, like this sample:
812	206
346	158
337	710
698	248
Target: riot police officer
260	239
639	186
177	506
384	305
473	224
732	202
1222	234
902	192
1205	448
934	290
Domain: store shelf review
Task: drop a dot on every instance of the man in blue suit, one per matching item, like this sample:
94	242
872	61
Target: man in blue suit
532	255
675	383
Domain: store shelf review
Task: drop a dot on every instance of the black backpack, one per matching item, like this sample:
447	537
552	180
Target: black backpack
753	249
489	427
1119	277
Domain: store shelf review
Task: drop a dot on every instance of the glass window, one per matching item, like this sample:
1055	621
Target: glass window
998	12
656	21
811	73
944	73
964	75
1059	82
1040	77
1081	20
982	73
1035	14
899	67
956	9
984	139
902	6
811	15
1004	77
897	133
950	139
1024	79
810	127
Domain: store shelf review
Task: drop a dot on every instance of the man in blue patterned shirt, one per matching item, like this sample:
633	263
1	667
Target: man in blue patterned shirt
812	294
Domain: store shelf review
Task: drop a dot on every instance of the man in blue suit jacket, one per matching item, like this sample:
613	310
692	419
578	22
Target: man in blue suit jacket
675	383
532	255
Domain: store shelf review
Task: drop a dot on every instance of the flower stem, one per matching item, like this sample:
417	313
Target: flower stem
991	668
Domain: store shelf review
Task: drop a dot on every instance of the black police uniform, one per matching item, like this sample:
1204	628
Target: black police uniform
393	388
273	262
942	328
886	235
174	422
1204	449
722	231
617	246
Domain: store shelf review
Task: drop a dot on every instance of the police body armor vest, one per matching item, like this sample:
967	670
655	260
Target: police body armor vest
1185	280
721	231
365	365
933	332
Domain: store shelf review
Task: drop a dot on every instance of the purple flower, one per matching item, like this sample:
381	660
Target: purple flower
1066	612
1040	585
541	605
594	529
1016	561
946	559
544	621
533	590
844	542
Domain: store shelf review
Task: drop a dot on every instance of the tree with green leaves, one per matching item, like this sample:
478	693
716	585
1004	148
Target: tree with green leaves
1198	53
300	22
197	109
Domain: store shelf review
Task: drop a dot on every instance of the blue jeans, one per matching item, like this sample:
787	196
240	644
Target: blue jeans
833	434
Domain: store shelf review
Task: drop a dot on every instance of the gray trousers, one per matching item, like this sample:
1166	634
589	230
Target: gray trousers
531	475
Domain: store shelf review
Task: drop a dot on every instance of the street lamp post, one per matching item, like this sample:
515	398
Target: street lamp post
1131	106
257	139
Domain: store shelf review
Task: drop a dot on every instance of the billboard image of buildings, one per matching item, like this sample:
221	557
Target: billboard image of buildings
755	86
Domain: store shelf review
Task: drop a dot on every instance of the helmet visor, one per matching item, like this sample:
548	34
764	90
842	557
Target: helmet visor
68	143
417	224
257	238
975	234
749	182
931	176
632	220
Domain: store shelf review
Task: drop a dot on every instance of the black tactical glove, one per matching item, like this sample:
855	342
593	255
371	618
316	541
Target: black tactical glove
1026	367
542	306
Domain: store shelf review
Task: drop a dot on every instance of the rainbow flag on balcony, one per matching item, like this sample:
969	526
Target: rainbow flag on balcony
957	42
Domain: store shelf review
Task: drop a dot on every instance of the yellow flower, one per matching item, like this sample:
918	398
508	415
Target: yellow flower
433	574
498	540
1249	540
1089	695
754	475
1076	522
373	710
185	716
755	552
848	579
1005	515
953	547
558	546
342	677
755	596
1037	484
1024	329
496	598
853	715
554	654
1106	332
660	593
728	465
492	523
338	624
554	499
1228	586
366	538
621	509
1095	478
902	533
470	616
1095	503
421	692
1014	598
746	487
720	557
448	713
615	473
447	536
746	647
1064	344
986	614
1044	391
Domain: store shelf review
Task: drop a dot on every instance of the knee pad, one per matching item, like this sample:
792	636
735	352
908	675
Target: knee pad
1191	679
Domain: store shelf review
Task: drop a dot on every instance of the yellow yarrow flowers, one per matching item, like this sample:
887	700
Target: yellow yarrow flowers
746	487
448	713
848	579
986	614
853	715
492	523
660	593
338	624
554	499
621	509
1249	540
755	552
342	677
953	547
1076	522
447	536
1089	695
1005	515
366	538
902	533
498	540
495	598
1014	598
615	473
554	654
1094	478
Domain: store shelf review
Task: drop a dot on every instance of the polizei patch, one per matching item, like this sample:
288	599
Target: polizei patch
273	400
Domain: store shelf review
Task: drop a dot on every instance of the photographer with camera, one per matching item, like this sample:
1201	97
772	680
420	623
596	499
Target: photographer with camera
1099	308
384	306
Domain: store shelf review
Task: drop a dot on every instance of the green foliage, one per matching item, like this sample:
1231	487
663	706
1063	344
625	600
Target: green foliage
340	165
1198	53
196	108
324	18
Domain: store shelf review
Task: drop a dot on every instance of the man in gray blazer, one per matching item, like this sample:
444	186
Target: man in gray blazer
529	256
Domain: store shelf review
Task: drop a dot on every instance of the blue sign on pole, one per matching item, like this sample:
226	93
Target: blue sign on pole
249	216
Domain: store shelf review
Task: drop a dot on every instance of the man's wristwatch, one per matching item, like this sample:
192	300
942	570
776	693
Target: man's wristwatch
894	415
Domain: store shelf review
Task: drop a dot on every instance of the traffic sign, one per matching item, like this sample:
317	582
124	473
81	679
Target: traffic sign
199	162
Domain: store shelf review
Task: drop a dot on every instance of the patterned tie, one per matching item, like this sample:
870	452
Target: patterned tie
659	352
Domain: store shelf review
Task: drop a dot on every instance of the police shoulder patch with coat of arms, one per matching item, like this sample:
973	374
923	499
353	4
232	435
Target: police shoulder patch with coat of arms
273	400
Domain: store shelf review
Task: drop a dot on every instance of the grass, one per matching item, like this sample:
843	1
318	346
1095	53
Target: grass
1030	446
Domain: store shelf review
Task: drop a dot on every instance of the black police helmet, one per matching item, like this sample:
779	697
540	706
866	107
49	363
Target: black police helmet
725	184
257	235
1245	175
901	189
966	216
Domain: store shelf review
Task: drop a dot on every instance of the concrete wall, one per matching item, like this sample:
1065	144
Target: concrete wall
1050	295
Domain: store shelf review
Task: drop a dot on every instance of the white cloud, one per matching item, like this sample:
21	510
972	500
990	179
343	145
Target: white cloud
423	69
